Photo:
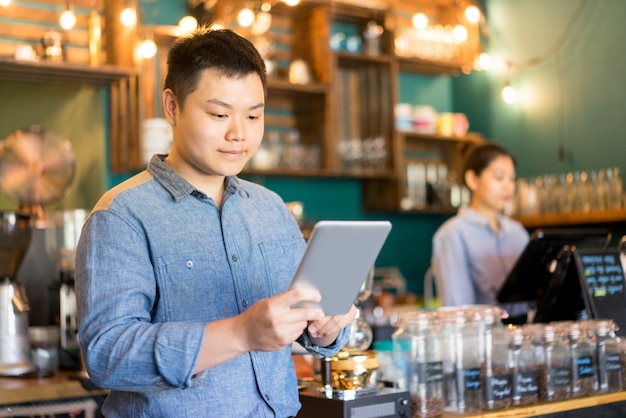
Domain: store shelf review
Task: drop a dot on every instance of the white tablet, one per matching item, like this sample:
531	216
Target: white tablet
337	260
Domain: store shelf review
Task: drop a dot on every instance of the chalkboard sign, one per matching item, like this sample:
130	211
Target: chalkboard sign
603	285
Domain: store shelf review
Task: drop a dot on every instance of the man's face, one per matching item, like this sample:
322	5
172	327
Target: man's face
221	124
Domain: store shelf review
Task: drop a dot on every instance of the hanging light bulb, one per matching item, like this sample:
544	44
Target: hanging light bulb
67	20
187	24
128	16
472	14
509	95
245	17
147	48
5	3
482	62
420	21
460	34
291	2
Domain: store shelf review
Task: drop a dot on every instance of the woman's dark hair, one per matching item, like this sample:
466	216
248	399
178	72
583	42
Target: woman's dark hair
482	155
205	48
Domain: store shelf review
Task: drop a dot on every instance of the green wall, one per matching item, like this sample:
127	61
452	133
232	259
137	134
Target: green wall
76	113
573	97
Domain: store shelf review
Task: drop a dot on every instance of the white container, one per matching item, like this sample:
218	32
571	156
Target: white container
157	137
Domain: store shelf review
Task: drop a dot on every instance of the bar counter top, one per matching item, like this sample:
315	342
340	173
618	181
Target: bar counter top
552	407
62	385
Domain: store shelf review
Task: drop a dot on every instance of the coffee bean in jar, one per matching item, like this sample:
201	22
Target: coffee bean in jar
554	372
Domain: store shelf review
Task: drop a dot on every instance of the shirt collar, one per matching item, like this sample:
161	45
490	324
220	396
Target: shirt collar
179	188
477	218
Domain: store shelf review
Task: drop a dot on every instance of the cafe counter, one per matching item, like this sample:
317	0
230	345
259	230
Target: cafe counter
66	389
62	393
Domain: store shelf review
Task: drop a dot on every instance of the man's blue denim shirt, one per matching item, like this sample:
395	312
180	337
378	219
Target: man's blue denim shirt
157	260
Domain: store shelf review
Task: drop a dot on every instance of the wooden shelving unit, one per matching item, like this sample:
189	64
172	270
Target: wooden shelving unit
571	219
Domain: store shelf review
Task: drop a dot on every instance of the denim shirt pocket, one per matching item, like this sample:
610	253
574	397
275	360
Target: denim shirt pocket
176	275
281	259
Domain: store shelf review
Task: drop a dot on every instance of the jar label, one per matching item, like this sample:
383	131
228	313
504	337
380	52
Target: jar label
525	384
471	378
612	363
583	366
497	388
431	372
559	377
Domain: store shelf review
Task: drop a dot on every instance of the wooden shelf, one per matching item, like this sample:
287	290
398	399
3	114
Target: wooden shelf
62	72
281	85
323	173
416	65
570	219
413	135
549	408
62	385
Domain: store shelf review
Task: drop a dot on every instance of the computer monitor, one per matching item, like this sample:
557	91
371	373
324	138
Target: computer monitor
540	272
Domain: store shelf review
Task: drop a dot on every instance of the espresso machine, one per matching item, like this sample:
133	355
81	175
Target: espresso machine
347	387
15	237
37	167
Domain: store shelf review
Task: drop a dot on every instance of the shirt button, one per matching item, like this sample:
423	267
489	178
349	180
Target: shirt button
189	264
245	303
234	257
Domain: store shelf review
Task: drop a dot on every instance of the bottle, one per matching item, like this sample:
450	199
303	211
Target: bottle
497	387
554	371
607	357
462	377
95	37
523	365
583	365
417	353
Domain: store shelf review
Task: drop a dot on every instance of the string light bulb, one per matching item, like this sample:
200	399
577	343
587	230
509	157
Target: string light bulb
482	62
460	34
187	24
147	48
420	21
509	95
67	20
472	14
245	17
291	2
5	3
128	16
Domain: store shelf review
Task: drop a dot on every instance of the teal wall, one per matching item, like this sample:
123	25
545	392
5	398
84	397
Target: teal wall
572	98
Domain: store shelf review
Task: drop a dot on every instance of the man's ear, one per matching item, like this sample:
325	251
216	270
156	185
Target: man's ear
170	106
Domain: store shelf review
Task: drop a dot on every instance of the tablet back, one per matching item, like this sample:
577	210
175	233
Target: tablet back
337	260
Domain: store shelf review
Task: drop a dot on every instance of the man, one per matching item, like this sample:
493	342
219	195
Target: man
182	271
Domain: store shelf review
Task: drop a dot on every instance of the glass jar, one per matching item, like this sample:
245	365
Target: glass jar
554	371
417	353
496	371
607	357
523	366
495	366
583	364
461	360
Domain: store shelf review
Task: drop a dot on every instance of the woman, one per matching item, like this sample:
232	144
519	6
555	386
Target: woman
474	251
